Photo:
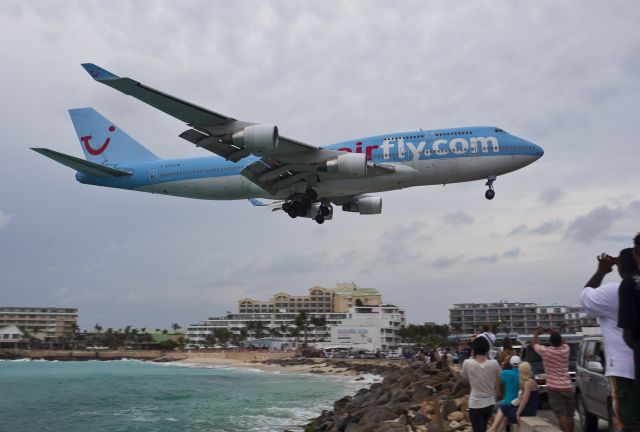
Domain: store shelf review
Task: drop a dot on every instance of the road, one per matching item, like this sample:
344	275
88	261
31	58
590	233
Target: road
549	416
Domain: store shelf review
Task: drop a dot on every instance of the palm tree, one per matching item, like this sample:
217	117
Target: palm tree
210	339
257	328
222	335
98	328
175	327
318	322
302	322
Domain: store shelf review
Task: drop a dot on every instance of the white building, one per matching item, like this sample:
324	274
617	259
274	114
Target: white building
370	328
379	324
11	336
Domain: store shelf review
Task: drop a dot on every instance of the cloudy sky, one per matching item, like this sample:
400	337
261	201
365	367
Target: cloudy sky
565	75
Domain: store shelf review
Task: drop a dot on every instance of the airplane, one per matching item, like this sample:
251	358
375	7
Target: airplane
254	162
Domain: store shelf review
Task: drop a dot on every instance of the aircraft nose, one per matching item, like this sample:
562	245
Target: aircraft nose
534	149
538	151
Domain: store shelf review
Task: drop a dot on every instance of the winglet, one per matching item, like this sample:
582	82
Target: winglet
97	73
256	202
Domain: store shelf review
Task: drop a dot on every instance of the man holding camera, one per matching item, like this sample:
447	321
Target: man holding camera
602	301
555	359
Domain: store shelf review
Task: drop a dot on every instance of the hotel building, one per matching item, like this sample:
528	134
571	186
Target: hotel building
520	318
377	325
50	322
320	300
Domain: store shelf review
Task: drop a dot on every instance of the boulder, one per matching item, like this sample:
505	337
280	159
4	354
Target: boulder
419	419
353	427
376	415
456	416
421	393
341	403
426	408
448	406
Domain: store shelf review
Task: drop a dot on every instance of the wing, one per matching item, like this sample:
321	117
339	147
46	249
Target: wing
278	168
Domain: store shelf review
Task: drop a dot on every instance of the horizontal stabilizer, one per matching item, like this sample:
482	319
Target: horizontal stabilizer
81	165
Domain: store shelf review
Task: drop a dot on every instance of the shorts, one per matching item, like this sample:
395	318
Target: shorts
626	402
563	403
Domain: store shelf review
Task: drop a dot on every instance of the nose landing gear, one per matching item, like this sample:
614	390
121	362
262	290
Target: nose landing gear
490	193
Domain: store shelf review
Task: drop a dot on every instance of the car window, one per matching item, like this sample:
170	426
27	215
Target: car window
588	352
599	354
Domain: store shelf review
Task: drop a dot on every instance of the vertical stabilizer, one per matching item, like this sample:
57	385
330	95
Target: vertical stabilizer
103	142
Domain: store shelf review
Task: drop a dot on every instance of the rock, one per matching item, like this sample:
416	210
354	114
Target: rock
341	403
419	419
426	408
422	393
359	379
448	406
456	416
460	388
377	415
353	427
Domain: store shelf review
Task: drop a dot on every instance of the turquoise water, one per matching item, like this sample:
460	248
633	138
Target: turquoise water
129	395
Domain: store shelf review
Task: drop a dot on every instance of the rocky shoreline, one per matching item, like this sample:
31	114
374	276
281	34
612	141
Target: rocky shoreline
411	397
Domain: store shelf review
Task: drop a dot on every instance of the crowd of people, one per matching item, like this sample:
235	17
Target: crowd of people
616	304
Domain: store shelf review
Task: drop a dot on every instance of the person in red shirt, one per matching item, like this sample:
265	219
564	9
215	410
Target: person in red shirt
555	359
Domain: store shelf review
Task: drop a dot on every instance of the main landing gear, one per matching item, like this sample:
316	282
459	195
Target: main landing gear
306	205
490	193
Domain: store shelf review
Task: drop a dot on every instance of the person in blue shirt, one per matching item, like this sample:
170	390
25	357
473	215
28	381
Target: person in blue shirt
511	380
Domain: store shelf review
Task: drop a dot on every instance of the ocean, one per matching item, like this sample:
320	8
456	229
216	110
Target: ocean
131	395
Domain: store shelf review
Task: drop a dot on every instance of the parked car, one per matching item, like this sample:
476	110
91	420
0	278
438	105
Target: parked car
593	390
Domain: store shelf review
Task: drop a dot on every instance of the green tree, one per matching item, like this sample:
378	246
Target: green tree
175	327
318	322
302	322
223	336
210	339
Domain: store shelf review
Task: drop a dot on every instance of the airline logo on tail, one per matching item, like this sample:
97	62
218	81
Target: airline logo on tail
95	152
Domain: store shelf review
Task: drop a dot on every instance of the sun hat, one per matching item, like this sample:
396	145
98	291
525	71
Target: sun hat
515	360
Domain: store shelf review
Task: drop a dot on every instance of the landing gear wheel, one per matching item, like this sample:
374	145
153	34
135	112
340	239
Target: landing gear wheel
319	219
324	210
286	207
489	194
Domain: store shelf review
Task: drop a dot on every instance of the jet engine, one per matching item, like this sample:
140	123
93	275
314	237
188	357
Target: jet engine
351	164
254	138
365	205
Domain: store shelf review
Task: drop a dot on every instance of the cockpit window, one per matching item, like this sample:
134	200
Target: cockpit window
498	130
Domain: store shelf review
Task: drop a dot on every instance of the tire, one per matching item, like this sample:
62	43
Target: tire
588	421
489	194
319	219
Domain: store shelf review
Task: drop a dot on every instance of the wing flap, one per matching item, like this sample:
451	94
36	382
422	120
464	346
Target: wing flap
81	165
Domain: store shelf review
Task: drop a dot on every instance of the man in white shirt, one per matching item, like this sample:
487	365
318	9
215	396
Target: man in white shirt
602	301
483	376
491	338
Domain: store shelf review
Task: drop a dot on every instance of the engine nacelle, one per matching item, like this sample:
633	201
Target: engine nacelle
351	164
366	205
255	138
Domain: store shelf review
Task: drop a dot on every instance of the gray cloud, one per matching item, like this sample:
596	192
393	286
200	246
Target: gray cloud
402	244
4	219
512	253
282	63
444	262
591	226
551	195
548	227
494	258
458	218
520	229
